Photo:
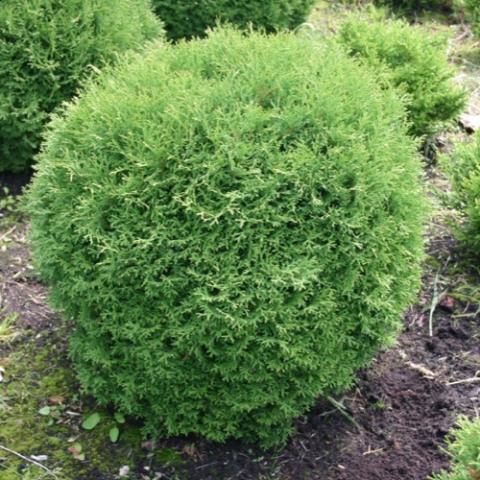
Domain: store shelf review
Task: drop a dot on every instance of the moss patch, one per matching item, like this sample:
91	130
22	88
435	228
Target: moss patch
41	413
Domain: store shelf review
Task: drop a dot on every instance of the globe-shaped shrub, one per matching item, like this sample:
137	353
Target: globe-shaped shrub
47	47
191	18
234	225
414	61
463	168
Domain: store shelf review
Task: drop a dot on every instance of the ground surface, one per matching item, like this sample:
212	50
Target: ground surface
390	426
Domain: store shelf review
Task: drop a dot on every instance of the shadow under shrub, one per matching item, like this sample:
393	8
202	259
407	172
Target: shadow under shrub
187	18
234	225
408	7
417	6
463	168
47	48
411	59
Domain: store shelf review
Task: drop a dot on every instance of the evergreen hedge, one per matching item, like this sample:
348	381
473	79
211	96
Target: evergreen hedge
412	60
234	224
191	18
464	448
47	47
463	168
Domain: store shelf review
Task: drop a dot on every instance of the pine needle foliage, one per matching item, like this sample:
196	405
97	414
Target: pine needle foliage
234	224
463	168
187	18
47	48
411	59
464	448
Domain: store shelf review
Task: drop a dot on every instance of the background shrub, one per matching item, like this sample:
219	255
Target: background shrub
464	447
189	18
47	48
234	224
463	168
412	60
472	13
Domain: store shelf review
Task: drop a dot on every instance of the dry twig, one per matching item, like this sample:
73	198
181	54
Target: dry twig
33	462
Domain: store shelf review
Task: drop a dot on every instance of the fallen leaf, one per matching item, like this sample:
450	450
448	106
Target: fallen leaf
75	448
44	410
114	433
56	400
76	451
124	471
91	421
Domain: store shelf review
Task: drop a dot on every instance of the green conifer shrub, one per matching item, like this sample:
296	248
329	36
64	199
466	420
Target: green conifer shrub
187	18
464	447
47	48
412	60
234	224
463	168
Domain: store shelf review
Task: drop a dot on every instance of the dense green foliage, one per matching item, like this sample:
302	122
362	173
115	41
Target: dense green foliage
187	18
463	167
464	447
47	48
411	59
472	13
234	224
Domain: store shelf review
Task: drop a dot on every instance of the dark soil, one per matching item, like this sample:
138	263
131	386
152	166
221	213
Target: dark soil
402	407
14	182
390	426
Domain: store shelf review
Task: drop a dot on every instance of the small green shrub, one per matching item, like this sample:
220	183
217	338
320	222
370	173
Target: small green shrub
47	48
234	224
413	61
463	168
464	447
187	18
